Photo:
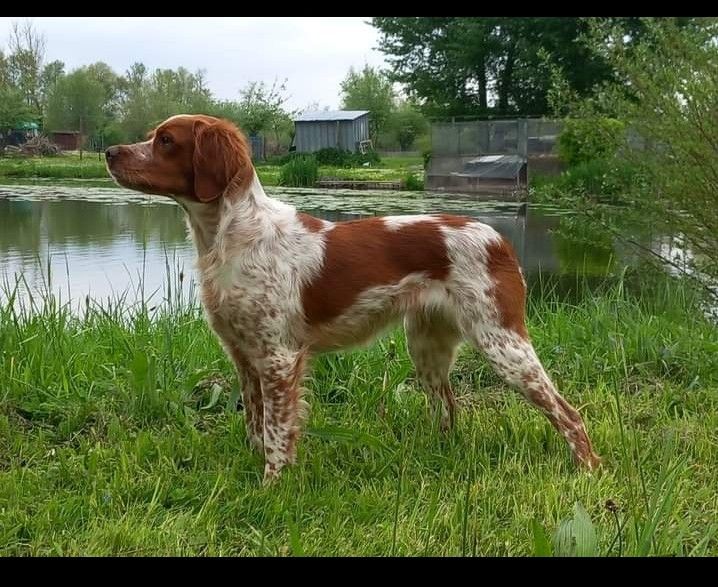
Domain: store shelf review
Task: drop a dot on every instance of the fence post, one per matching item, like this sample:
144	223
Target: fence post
522	136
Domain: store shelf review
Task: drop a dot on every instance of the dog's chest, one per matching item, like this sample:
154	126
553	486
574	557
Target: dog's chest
249	303
238	287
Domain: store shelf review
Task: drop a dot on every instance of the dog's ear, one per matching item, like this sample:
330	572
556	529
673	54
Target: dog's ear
221	160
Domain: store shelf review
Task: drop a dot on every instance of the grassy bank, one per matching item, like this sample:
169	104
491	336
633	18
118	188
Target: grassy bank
69	167
117	437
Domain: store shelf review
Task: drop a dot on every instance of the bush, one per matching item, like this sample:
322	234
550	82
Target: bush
371	157
112	134
665	94
413	183
588	139
406	124
426	155
300	171
603	180
334	157
330	157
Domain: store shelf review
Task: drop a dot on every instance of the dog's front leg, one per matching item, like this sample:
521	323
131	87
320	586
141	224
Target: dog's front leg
281	376
251	399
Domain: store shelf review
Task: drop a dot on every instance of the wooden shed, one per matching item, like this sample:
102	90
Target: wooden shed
67	140
340	129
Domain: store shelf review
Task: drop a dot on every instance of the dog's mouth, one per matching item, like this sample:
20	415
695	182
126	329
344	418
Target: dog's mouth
137	180
123	176
133	179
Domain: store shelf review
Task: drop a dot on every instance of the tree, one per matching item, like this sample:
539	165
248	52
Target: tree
370	90
146	99
177	91
111	85
666	93
13	109
76	103
442	61
134	107
263	109
260	109
26	55
489	65
5	78
406	123
52	72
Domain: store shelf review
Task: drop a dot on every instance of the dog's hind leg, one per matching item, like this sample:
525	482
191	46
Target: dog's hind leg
514	359
432	340
491	315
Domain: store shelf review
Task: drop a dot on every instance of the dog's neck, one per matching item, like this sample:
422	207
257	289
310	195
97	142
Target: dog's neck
245	216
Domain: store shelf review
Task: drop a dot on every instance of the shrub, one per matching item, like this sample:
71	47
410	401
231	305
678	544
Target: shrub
334	157
371	157
413	183
426	155
588	139
300	171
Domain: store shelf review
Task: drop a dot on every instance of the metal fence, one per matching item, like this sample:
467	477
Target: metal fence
257	144
523	137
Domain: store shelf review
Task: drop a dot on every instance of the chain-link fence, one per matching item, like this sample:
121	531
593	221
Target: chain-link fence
523	137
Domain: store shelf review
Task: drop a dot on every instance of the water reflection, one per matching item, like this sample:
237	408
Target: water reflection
105	241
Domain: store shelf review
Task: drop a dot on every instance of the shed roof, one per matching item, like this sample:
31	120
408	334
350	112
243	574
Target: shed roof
26	125
330	115
495	166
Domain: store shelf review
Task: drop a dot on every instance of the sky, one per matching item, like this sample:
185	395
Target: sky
314	54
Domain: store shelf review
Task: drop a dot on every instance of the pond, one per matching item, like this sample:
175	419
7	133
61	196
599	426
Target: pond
107	242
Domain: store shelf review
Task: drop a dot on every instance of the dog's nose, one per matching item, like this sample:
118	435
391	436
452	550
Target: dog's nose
112	152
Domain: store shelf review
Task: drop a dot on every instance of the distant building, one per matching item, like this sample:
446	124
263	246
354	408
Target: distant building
67	140
340	129
19	134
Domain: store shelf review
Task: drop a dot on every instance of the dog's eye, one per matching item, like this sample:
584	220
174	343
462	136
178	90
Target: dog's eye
165	140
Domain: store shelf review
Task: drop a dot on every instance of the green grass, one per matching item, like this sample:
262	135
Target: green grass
68	167
403	162
65	166
396	169
52	181
118	437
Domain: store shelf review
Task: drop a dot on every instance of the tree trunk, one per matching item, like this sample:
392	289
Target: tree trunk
482	87
506	80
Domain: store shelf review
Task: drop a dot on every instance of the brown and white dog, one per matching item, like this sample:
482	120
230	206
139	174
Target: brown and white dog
279	286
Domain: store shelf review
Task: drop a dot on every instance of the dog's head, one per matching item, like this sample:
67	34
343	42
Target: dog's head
195	157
